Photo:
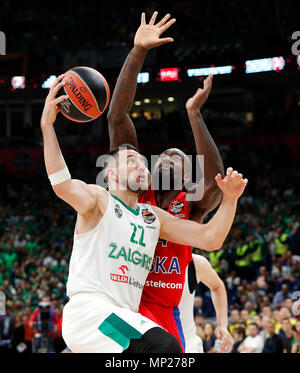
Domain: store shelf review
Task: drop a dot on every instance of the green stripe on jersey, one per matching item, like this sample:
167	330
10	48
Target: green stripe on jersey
119	330
135	212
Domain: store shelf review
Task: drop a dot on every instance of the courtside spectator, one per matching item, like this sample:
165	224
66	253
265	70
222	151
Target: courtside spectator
198	303
239	336
254	342
234	320
286	334
45	320
281	296
209	338
273	344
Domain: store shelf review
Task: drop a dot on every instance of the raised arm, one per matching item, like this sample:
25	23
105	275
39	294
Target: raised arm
206	146
209	236
121	128
81	196
206	274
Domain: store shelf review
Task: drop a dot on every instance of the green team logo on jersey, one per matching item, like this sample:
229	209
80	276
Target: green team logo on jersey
130	255
118	211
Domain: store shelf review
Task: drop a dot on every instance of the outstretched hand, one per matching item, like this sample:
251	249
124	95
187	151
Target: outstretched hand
148	35
50	108
233	183
198	100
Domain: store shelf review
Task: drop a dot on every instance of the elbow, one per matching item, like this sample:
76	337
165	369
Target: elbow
213	242
114	116
212	245
110	115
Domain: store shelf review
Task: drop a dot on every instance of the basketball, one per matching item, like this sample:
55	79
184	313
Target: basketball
88	92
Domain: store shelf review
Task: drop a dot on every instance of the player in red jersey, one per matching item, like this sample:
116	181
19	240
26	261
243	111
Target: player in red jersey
164	285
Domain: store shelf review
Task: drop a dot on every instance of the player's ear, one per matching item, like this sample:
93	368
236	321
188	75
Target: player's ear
112	177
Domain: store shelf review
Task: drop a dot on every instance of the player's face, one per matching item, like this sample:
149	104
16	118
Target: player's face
132	171
171	164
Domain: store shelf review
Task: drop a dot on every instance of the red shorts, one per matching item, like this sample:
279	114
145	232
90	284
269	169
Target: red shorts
167	318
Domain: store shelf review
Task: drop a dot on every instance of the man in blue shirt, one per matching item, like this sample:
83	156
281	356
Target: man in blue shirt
281	295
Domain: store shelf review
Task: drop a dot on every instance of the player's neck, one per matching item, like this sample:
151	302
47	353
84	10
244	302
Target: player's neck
127	196
165	197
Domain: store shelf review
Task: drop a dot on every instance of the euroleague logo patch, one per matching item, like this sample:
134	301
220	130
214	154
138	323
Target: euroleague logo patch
176	207
118	211
148	216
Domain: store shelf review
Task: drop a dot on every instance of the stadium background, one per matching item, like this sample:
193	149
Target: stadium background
253	117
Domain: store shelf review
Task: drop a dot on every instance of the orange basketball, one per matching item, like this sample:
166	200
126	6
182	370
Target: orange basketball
88	92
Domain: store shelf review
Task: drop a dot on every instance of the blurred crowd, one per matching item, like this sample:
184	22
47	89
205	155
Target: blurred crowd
259	262
226	29
260	259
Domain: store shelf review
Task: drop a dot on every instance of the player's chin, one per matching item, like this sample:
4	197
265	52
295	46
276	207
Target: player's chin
138	187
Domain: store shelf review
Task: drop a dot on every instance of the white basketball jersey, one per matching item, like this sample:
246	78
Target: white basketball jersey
186	308
115	257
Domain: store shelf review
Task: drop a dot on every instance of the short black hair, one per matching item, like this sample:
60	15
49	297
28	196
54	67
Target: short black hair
116	150
254	323
240	331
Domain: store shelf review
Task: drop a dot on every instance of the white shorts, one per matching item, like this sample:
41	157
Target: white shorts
93	324
193	344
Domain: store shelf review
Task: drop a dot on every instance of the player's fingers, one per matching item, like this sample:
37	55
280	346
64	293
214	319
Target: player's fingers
58	79
167	25
208	81
165	41
219	180
217	333
225	341
153	18
163	20
245	181
60	99
143	18
234	173
240	175
229	171
57	88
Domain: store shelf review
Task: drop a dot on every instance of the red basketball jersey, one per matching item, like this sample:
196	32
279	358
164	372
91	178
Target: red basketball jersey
165	281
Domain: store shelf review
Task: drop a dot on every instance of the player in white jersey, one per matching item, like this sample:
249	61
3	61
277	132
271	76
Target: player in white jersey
200	270
114	242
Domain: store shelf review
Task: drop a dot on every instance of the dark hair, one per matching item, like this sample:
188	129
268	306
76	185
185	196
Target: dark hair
116	150
113	152
254	323
239	330
211	324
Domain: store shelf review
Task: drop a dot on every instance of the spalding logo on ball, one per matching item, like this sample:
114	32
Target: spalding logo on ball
88	93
